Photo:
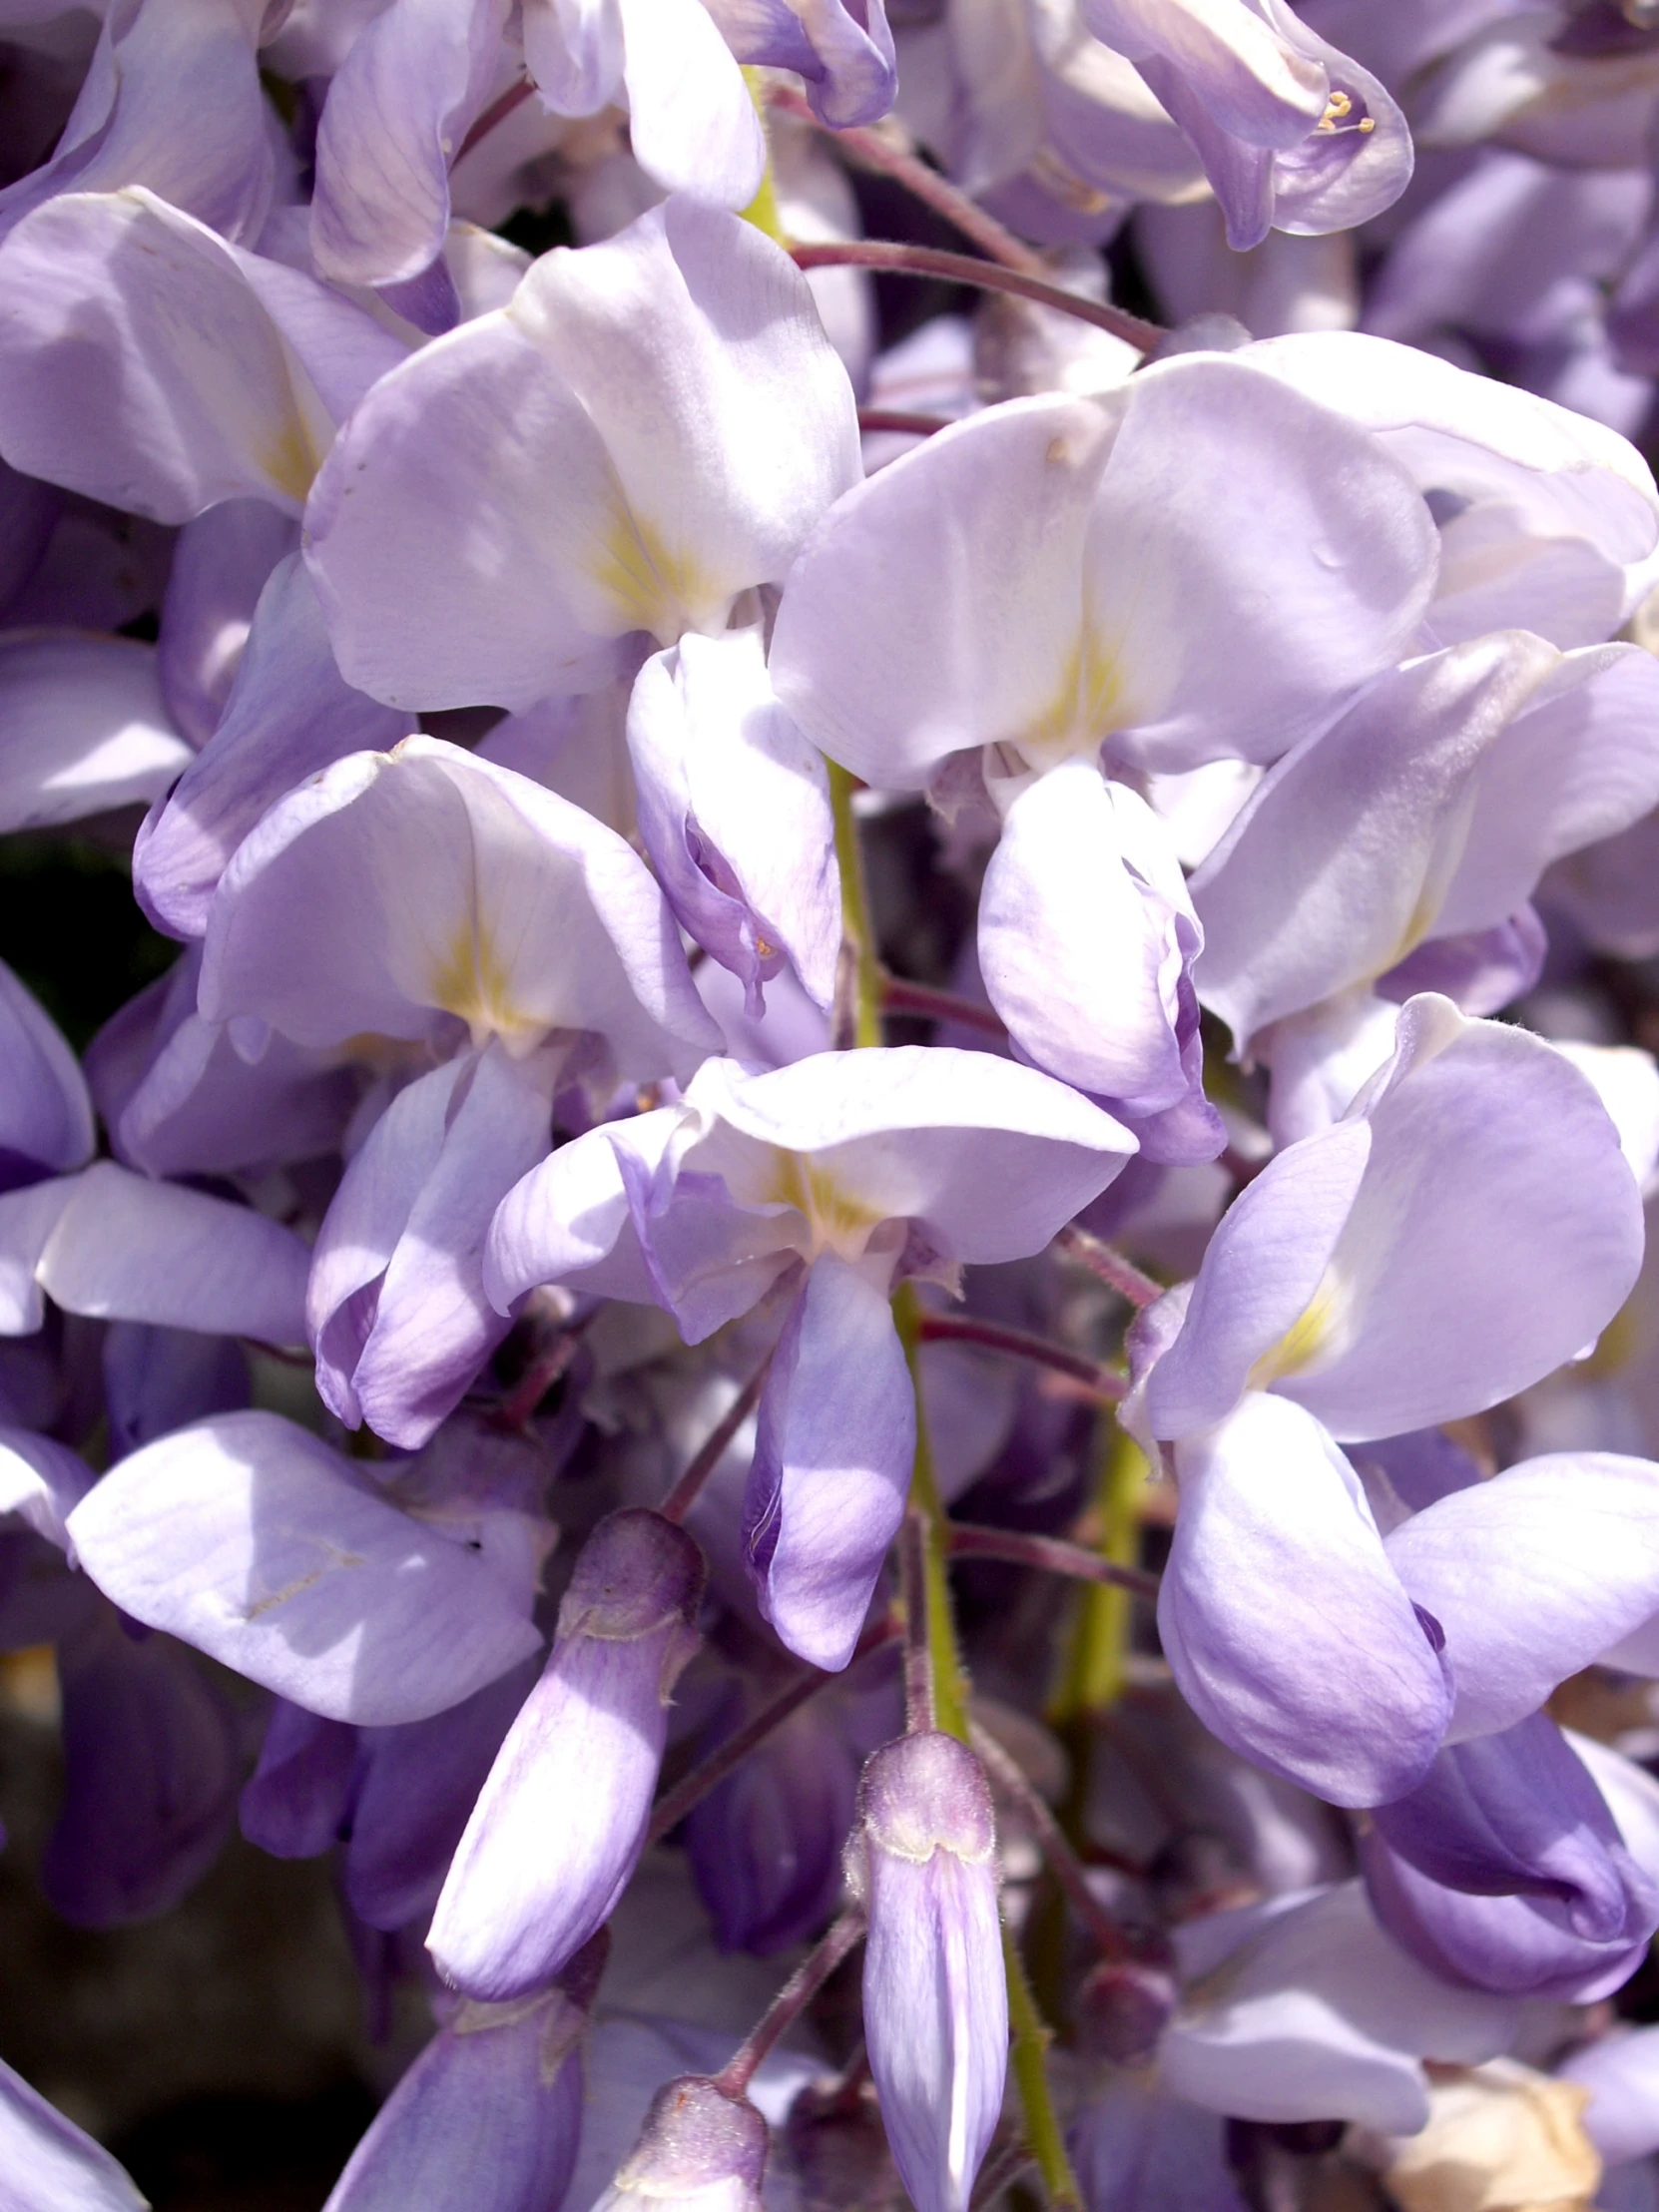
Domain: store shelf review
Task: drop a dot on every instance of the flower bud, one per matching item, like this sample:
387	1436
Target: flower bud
936	2001
489	2116
559	1826
699	2151
1123	2009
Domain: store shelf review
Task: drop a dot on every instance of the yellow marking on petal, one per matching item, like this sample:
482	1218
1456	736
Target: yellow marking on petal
1303	1343
763	211
1087	704
475	982
333	1558
838	1221
655	588
290	460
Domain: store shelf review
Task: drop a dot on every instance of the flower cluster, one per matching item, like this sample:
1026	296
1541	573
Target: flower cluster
886	1203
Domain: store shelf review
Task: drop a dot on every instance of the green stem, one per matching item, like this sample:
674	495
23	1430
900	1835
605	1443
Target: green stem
857	934
1098	1665
949	1684
1032	2039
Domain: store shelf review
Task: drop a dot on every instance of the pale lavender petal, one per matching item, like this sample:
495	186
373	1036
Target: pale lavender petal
251	1539
27	1219
1622	2073
1241	174
733	811
1260	1273
50	2163
199	1108
1183	650
220	564
1182	602
831	1465
1482	971
82	729
289	714
1067	878
1340	861
1512	1945
188	394
843	48
404	893
1318	2015
42	1482
948	1139
172	101
569	1219
397	111
1565	1557
1498	1228
560	1823
126	1249
1286	1628
1256	85
1574	768
691	121
672	382
45	1112
1477	437
1517	1814
396	1305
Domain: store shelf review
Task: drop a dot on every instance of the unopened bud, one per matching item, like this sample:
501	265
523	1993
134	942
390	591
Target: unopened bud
699	2151
497	2093
935	2000
560	1823
1123	2009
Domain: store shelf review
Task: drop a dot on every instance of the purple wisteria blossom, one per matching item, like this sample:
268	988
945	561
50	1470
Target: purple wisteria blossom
839	1271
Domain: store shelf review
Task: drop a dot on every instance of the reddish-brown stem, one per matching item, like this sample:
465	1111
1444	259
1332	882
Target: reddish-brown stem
1111	1267
672	1808
877	151
791	2001
497	112
902	420
538	1379
683	1497
1097	1382
920	1000
1020	1549
962	269
912	1583
1062	1861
